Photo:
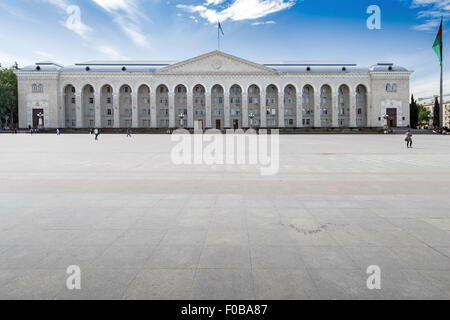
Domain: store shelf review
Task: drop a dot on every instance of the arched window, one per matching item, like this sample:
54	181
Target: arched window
394	87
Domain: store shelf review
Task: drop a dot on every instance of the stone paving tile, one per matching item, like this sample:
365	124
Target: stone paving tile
338	205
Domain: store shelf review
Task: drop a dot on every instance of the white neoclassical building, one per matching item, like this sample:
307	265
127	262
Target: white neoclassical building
214	90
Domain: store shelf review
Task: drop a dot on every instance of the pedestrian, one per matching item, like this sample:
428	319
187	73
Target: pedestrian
90	131
96	133
128	133
408	139
58	132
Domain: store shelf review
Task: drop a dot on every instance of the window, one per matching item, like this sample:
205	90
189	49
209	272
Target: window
127	112
91	90
109	112
341	122
359	111
73	100
91	100
37	88
388	87
74	113
359	122
109	123
324	100
91	112
73	123
341	111
108	100
394	87
91	123
73	90
108	89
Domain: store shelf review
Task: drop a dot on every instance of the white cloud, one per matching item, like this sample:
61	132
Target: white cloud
111	53
258	23
213	2
432	11
127	16
240	10
194	19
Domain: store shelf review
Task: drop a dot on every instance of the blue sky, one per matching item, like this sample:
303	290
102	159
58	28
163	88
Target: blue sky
69	31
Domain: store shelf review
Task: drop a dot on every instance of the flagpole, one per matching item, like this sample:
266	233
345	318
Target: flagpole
218	35
441	115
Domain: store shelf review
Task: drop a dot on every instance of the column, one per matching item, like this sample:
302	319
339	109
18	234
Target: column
62	110
281	109
116	109
171	109
98	109
79	108
190	109
299	109
135	111
244	103
317	109
263	108
335	110
153	114
353	109
369	110
208	110
226	110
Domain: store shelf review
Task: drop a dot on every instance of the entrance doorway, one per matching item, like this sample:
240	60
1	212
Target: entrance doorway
38	114
218	126
392	117
235	124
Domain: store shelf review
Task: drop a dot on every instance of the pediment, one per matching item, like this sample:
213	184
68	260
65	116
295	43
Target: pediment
216	62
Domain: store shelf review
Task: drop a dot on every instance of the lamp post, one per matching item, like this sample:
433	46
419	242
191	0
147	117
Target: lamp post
41	120
251	116
386	125
181	116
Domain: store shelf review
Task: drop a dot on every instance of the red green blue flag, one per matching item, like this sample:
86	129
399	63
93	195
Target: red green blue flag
220	29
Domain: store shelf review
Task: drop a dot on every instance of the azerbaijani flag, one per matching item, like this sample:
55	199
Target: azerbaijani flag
437	46
220	29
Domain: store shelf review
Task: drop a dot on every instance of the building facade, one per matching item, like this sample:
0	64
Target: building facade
429	105
215	90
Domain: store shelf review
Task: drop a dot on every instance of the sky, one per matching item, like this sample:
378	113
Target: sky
70	31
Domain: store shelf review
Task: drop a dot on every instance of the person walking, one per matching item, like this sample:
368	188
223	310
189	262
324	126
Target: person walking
58	132
96	133
408	139
128	133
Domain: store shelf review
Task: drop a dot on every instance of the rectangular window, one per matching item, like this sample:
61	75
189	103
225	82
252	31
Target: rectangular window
109	112
73	100
91	112
108	100
359	111
109	123
91	100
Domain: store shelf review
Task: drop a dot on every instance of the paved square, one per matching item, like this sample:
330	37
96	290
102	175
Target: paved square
141	227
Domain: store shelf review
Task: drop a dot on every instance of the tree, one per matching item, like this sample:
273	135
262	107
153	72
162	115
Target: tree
413	113
423	115
436	114
8	96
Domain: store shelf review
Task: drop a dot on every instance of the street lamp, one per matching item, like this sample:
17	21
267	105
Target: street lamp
386	125
41	119
181	116
251	116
